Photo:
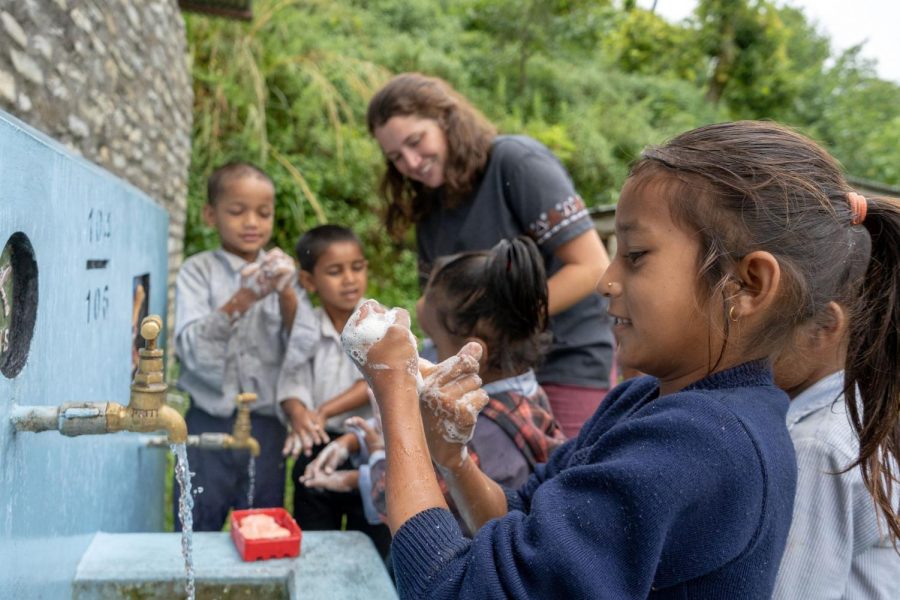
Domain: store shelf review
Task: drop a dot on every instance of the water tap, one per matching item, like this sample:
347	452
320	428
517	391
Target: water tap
240	436
146	411
238	439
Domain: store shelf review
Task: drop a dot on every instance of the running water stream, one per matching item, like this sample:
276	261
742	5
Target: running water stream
251	474
185	514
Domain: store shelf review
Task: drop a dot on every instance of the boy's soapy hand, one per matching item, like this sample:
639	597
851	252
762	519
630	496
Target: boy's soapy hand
380	343
305	432
278	270
339	481
253	279
274	273
451	398
327	461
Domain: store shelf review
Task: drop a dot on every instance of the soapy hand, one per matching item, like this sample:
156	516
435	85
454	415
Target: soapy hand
278	269
306	430
339	481
379	340
253	279
328	460
451	398
274	273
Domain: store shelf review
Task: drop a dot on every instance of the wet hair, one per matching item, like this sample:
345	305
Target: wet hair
498	295
469	138
315	242
221	176
748	186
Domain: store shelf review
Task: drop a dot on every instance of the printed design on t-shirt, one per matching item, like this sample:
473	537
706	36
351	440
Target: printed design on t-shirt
552	221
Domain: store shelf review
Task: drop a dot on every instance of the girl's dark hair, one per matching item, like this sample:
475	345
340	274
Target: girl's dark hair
499	295
469	138
748	186
315	242
215	185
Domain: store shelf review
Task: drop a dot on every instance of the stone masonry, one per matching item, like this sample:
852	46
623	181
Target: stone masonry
109	79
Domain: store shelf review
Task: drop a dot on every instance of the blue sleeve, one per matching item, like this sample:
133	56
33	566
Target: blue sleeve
609	519
371	489
521	499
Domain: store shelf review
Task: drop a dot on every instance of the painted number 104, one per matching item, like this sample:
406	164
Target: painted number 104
99	225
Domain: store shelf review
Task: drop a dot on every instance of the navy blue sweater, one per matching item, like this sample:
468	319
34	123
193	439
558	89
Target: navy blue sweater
682	496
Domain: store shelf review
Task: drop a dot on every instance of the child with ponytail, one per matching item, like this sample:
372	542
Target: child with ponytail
731	237
497	299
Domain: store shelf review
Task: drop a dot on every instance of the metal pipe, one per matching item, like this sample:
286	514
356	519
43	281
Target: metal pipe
146	411
210	441
34	418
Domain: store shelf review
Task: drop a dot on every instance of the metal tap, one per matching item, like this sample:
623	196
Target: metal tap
239	438
240	435
146	411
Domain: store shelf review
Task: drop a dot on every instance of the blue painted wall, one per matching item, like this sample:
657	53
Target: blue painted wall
56	491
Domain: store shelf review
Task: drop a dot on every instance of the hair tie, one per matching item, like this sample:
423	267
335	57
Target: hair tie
858	207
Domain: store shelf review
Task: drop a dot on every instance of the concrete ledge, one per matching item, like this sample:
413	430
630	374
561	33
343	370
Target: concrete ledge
332	564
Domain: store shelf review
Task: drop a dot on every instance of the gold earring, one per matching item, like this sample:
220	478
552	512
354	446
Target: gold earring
731	314
609	285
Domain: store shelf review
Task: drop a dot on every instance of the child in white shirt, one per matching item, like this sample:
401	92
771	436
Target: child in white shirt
320	386
235	307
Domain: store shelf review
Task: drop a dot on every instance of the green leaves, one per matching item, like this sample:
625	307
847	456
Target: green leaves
593	81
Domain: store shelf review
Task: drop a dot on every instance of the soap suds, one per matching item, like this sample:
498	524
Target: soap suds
365	328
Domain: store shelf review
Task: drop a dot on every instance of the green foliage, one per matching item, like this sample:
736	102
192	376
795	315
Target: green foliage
294	105
645	43
594	80
861	120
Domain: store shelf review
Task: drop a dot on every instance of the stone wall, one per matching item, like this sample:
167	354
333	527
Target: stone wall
110	80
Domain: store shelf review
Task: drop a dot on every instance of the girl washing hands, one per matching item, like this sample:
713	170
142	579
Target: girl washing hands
681	485
498	299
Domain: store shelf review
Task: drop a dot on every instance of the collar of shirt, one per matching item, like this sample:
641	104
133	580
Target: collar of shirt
326	327
526	383
819	395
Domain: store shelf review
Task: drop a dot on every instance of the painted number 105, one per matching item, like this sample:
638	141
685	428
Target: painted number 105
97	304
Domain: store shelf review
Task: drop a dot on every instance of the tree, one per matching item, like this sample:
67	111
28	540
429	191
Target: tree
746	42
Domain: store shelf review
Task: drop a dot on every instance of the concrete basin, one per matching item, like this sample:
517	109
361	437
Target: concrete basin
337	565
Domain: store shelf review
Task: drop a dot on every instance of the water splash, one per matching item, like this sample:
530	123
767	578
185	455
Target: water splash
251	475
185	514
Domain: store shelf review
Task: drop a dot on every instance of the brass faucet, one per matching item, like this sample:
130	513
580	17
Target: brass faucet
240	435
146	410
239	438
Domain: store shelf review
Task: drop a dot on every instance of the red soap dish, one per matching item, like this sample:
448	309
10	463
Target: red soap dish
266	548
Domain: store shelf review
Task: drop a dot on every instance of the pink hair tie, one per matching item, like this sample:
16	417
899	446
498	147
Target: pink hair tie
858	206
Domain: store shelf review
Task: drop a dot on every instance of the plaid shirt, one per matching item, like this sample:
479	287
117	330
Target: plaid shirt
520	408
527	420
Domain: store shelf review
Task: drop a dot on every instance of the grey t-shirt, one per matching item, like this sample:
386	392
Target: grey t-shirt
526	190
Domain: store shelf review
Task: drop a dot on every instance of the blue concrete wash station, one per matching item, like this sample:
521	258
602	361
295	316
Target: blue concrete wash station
80	515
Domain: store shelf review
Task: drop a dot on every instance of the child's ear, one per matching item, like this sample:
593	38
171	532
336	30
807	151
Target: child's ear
832	325
482	362
760	276
306	280
209	215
